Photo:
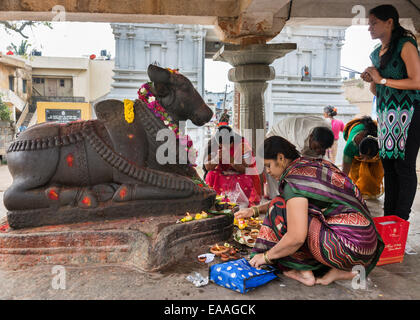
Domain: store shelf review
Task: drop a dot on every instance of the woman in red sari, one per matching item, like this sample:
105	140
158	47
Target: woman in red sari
230	161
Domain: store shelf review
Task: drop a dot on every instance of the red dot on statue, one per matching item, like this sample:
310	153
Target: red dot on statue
86	201
70	160
53	195
123	193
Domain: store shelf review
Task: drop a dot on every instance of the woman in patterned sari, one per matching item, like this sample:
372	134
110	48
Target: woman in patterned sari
319	219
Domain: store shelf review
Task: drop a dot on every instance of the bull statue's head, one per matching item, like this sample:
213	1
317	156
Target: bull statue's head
178	96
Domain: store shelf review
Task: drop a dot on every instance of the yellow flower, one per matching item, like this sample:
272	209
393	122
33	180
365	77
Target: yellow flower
242	224
198	216
129	110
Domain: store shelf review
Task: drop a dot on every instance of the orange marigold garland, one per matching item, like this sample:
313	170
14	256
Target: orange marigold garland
129	110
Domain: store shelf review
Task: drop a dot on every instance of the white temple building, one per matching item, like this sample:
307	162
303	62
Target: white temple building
306	79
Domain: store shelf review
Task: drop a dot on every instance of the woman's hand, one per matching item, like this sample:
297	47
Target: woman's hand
374	74
366	76
257	261
244	213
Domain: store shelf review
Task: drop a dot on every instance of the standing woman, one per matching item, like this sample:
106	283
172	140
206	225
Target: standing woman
395	81
337	126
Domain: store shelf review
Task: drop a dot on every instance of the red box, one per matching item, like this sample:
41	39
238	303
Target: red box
394	236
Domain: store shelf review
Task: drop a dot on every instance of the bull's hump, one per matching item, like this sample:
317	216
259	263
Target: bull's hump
42	130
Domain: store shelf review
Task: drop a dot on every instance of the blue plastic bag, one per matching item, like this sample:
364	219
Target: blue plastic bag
238	275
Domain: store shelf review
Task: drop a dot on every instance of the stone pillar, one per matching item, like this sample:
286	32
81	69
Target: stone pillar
236	106
251	72
131	51
117	35
340	44
180	35
328	46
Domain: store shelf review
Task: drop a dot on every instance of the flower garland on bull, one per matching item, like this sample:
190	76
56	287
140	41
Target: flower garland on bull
145	94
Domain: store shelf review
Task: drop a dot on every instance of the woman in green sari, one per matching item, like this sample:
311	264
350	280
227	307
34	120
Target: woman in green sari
319	220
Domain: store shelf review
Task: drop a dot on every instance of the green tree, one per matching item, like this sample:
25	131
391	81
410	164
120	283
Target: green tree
22	50
4	111
21	27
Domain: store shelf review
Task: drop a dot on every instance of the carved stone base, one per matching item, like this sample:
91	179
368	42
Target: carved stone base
150	244
107	211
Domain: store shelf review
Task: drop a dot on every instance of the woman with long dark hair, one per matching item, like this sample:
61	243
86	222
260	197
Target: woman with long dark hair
319	220
395	81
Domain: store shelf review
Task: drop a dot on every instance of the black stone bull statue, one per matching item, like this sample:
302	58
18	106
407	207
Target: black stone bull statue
106	168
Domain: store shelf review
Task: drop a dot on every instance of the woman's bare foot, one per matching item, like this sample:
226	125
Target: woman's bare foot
333	275
306	277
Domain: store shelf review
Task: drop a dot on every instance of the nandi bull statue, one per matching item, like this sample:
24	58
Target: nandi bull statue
107	168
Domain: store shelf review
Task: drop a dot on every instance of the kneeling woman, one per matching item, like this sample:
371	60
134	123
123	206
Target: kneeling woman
361	160
319	219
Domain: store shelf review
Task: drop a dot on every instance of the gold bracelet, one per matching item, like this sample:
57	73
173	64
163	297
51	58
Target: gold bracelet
256	211
268	261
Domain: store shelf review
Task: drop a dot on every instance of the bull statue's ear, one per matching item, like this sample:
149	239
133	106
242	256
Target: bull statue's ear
161	89
158	74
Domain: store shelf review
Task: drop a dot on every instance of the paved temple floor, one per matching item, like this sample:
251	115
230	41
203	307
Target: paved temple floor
395	281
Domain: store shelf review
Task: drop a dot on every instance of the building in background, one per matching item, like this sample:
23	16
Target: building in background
217	101
15	83
42	89
15	92
66	89
174	46
307	79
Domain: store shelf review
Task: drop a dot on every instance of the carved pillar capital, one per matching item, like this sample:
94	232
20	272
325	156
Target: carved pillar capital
250	74
249	28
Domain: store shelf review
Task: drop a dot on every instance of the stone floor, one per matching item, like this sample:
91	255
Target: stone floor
395	281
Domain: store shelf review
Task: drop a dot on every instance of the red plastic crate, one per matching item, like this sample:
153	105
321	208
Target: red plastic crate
395	238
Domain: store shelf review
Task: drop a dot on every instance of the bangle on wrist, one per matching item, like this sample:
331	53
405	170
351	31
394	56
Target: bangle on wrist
266	259
256	211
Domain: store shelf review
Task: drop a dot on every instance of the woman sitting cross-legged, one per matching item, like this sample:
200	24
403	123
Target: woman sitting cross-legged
319	219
